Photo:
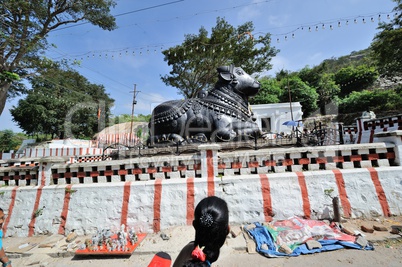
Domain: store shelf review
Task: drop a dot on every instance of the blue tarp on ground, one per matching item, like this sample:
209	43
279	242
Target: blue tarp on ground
295	232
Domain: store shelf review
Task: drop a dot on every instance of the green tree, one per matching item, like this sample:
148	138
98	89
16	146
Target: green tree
270	92
194	62
327	91
355	78
63	103
377	101
386	46
10	140
25	26
295	90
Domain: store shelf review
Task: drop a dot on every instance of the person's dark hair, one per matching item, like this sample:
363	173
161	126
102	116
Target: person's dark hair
211	223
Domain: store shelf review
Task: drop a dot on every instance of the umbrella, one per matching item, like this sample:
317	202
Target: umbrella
293	123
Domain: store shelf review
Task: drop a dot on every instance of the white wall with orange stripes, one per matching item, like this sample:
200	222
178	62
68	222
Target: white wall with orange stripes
154	205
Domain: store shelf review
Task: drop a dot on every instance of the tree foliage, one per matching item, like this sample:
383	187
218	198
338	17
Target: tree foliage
25	26
270	92
377	101
386	46
194	62
355	78
10	140
64	104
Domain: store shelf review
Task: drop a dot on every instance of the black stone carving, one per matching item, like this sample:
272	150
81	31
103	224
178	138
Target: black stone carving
219	115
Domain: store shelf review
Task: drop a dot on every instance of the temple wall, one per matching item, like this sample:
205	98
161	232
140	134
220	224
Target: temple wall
52	195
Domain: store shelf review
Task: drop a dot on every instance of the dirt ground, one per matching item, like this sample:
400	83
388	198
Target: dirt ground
387	251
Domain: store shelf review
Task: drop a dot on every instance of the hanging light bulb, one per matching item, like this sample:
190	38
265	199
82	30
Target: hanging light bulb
347	23
286	38
364	21
339	24
330	27
316	28
372	19
293	35
133	53
277	40
379	17
355	21
388	17
309	29
323	26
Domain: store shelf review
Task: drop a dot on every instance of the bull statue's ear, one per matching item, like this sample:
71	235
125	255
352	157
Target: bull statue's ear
224	73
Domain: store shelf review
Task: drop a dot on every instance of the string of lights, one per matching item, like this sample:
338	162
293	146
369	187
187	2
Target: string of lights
147	50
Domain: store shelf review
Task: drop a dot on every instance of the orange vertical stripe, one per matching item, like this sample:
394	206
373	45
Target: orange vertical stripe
126	200
10	209
266	197
157	205
210	173
340	182
380	192
190	201
31	225
64	212
303	188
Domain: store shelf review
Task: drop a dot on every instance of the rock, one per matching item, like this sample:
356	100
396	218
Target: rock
367	228
380	227
360	240
235	231
71	237
313	244
285	249
396	229
348	230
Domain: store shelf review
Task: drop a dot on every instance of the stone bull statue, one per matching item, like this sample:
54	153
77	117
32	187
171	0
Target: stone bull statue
219	115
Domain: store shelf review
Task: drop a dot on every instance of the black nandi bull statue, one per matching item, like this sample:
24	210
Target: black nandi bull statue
221	114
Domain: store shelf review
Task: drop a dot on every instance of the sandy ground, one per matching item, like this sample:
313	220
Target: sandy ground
387	252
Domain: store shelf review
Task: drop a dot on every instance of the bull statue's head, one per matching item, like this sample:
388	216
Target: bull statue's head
238	80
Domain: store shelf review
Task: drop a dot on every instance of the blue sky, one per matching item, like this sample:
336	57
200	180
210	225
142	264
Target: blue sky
147	27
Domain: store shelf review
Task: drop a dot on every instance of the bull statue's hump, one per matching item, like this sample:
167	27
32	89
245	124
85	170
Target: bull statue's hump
221	114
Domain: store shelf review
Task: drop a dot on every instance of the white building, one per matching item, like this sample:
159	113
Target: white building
270	117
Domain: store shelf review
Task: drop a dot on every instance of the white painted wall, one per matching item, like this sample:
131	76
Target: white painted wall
278	113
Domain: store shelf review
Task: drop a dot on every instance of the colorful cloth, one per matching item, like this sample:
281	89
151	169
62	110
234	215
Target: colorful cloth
295	232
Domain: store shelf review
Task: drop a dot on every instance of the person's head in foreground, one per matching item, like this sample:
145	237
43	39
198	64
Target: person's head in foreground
211	223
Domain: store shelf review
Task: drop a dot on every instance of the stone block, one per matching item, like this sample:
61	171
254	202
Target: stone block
348	165
245	171
367	228
102	179
75	180
297	168
116	178
313	244
263	170
175	175
365	164
228	172
360	240
190	174
144	177
313	167
280	169
88	180
380	227
383	162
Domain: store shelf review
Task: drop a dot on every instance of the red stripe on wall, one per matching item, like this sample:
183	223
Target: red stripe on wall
31	225
157	205
266	197
340	182
10	209
190	201
64	211
43	176
380	192
126	200
303	188
210	173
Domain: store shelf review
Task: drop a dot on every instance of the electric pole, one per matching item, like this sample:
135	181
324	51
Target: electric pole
135	92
